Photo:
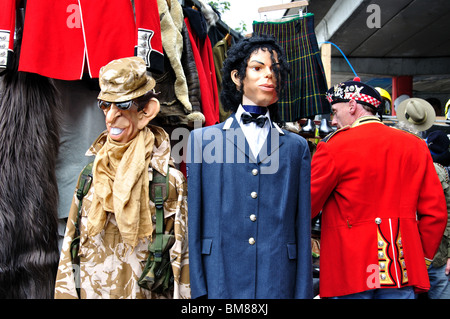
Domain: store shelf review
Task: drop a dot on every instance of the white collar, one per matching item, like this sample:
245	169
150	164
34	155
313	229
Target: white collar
229	121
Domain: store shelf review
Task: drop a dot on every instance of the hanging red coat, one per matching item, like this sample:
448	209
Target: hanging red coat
206	75
64	39
7	25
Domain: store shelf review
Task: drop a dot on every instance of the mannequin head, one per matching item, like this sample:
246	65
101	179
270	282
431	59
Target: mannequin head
259	83
239	82
127	98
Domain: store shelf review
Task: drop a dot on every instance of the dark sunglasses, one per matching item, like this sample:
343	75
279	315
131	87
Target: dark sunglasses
103	105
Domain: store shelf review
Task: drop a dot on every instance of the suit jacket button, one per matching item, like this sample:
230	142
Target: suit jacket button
254	194
253	217
251	241
255	172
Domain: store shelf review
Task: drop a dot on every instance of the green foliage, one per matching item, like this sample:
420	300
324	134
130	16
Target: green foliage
242	27
223	6
220	6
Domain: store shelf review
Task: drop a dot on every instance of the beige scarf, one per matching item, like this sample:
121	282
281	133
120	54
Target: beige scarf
121	187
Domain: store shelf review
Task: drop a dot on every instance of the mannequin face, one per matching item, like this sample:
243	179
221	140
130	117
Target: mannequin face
124	125
260	81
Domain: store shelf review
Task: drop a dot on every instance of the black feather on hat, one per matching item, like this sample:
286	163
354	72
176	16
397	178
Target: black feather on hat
438	144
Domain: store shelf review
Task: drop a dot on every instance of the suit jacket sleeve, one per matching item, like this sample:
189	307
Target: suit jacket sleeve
324	178
303	285
194	177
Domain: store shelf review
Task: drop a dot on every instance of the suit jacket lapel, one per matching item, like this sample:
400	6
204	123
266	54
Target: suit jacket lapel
235	135
272	144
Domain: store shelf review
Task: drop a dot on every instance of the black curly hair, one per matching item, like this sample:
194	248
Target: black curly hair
237	59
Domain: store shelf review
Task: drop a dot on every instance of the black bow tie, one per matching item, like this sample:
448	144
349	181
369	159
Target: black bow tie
247	118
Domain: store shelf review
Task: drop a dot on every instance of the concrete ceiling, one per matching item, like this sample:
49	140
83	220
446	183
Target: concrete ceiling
410	37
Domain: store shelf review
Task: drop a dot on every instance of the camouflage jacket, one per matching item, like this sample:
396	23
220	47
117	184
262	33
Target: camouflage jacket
443	253
109	268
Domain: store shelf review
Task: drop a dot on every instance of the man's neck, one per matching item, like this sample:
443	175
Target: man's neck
368	118
360	112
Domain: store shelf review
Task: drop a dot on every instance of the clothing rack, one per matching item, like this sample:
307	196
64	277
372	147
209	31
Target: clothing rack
282	6
219	24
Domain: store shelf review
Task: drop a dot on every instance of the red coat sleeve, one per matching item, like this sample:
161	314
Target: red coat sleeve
208	56
208	97
7	26
149	43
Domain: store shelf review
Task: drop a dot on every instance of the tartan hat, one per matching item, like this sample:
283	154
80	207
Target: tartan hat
124	79
354	90
438	144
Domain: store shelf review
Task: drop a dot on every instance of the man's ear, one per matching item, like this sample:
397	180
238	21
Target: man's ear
235	78
148	113
352	106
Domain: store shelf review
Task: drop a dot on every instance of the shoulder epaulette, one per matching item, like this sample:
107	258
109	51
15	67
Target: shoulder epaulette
407	131
329	136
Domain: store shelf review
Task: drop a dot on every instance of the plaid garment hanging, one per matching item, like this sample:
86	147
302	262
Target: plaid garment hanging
304	95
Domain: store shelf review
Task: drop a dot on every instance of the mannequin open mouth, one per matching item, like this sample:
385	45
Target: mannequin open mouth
115	131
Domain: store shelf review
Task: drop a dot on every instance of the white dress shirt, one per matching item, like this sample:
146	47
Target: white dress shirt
255	135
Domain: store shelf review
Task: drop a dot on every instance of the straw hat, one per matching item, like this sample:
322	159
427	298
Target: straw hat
417	112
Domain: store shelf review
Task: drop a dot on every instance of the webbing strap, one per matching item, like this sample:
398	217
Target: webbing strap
159	223
84	183
158	193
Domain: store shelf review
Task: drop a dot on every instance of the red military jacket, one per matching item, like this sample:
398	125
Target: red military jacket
7	25
383	209
66	38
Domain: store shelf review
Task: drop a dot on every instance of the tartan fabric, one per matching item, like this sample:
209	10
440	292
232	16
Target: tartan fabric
304	95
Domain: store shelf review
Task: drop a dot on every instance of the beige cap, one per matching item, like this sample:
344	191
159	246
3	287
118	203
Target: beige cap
124	79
